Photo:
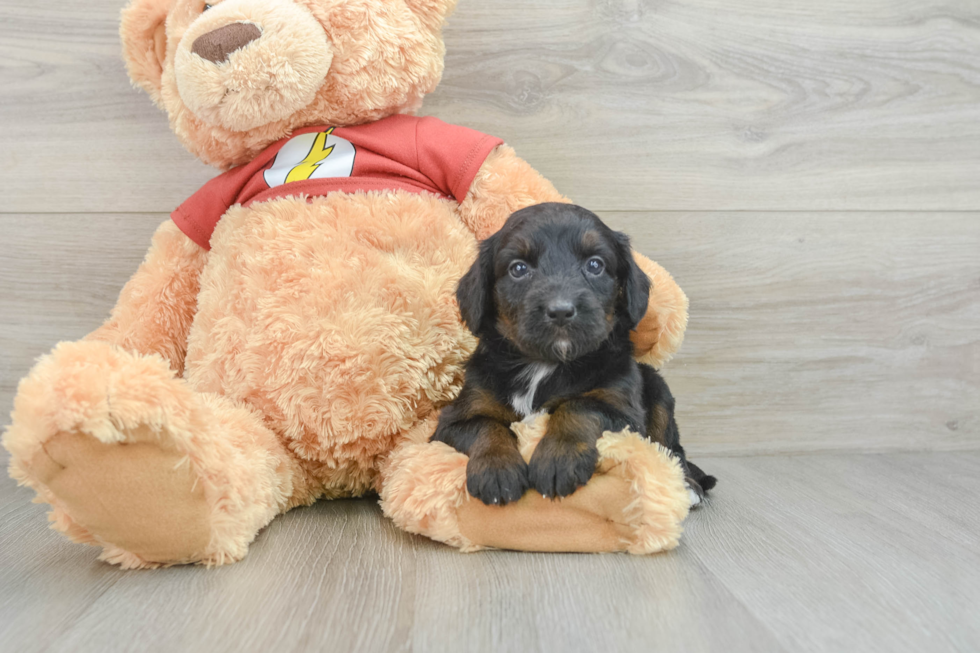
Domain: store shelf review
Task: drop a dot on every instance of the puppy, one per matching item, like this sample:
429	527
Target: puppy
553	297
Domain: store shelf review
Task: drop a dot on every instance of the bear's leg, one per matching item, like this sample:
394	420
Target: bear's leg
132	460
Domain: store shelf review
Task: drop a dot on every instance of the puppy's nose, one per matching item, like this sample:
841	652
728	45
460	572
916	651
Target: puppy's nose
560	312
217	45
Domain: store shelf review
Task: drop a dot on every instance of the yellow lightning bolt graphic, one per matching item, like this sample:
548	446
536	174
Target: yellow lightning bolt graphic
318	154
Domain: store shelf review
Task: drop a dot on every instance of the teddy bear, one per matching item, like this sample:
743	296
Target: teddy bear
293	329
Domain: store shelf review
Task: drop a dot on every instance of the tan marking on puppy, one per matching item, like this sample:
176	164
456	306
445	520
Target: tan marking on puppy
523	244
591	239
495	440
566	423
481	403
661	418
506	317
610	397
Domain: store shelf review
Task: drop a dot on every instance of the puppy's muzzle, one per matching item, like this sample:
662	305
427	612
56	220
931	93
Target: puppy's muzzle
560	312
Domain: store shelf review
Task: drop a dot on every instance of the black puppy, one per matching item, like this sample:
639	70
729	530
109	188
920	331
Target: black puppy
553	297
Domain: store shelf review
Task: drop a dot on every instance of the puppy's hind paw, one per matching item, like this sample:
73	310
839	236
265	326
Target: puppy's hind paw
693	497
696	493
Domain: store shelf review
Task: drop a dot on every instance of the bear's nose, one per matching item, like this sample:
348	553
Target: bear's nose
216	45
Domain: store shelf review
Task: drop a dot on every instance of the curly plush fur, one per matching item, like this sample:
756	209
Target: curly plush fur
636	502
290	360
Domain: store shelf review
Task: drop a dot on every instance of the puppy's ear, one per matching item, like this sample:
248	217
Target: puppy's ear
474	294
633	282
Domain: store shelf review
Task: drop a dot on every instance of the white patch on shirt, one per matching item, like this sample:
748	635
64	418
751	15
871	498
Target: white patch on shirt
317	155
533	375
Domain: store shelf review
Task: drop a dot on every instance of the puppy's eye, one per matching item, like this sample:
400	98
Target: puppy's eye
519	269
595	265
206	7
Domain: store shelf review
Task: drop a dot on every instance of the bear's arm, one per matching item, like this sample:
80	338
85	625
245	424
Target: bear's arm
507	183
504	184
155	309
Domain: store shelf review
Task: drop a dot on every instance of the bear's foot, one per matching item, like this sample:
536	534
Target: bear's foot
132	460
142	502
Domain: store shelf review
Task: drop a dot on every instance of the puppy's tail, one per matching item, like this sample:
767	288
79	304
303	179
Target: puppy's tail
698	484
706	481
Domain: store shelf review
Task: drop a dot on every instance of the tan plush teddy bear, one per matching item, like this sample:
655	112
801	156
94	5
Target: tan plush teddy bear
294	324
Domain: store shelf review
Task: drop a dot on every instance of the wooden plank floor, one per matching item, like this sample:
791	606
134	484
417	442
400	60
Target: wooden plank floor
808	171
795	553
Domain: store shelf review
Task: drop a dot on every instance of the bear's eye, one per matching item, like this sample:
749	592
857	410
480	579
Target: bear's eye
519	269
206	7
595	265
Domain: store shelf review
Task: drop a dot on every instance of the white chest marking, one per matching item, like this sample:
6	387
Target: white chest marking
533	375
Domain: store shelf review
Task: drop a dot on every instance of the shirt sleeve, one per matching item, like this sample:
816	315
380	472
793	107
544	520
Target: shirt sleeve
199	214
451	155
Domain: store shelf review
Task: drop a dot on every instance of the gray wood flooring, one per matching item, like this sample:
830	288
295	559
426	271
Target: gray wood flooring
808	171
794	553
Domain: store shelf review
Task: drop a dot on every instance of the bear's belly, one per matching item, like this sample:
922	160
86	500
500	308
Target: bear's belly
335	318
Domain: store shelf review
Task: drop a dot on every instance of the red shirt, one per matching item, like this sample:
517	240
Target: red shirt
418	155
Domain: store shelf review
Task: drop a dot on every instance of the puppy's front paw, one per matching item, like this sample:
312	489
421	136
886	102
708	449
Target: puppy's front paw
497	479
559	467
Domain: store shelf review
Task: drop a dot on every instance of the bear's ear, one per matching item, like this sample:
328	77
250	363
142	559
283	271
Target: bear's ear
144	38
432	12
